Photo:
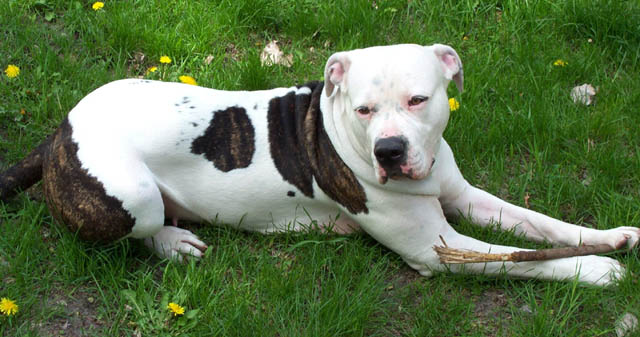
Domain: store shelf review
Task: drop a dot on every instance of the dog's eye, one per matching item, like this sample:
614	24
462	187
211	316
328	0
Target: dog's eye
415	100
363	110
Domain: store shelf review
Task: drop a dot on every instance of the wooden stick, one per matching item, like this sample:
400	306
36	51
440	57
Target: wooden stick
457	256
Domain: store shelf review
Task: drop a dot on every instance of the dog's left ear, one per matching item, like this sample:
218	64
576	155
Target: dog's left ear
450	62
335	72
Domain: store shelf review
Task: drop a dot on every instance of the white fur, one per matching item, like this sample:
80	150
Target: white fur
135	140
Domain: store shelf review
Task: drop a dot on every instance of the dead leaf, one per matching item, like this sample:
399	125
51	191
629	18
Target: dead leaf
208	60
526	200
583	94
627	324
271	54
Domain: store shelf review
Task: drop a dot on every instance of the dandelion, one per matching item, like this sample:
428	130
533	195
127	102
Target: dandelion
176	309
12	71
152	69
453	104
165	59
188	80
23	111
8	307
97	5
560	63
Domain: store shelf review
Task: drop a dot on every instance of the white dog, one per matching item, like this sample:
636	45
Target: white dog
365	145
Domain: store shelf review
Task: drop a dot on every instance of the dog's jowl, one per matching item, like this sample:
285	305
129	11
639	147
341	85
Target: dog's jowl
361	150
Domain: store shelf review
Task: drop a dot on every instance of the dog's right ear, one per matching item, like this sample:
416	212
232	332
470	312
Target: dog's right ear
335	72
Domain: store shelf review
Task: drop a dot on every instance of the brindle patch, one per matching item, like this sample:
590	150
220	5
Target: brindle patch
286	119
301	150
229	141
78	199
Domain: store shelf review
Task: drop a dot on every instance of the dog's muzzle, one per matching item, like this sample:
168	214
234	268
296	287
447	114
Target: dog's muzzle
391	153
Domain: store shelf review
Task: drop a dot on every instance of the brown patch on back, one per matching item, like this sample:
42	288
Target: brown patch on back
78	199
229	141
301	149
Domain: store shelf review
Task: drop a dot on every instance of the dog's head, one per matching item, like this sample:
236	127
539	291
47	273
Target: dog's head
393	104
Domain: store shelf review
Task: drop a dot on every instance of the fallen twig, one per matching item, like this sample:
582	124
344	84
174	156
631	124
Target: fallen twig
457	256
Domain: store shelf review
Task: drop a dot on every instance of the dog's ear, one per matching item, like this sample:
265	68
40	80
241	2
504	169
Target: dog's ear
335	71
450	62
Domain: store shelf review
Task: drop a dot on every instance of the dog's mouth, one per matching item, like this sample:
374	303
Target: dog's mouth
401	172
395	174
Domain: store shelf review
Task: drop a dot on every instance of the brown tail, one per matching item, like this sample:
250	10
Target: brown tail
25	173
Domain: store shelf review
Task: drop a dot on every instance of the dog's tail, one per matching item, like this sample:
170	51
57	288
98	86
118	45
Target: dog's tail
25	173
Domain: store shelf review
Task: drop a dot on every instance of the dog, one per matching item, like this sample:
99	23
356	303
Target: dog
361	150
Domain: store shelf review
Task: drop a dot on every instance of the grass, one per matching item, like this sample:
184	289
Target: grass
516	134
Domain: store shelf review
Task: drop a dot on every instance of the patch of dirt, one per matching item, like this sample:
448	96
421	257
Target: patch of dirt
491	313
74	315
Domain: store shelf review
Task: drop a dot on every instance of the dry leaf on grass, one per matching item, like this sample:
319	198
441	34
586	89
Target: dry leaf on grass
627	324
583	94
271	54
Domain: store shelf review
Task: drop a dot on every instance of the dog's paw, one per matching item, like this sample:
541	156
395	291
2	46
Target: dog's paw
599	270
176	244
621	237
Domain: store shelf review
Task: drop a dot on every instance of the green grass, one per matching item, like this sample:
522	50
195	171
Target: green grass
516	133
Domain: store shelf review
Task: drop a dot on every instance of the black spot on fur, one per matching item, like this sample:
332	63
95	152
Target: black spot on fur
302	151
194	124
291	194
77	198
255	107
228	141
192	107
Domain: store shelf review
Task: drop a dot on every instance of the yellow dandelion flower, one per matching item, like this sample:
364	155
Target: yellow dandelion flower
560	63
8	307
453	104
165	59
97	5
152	69
23	111
176	309
187	79
12	71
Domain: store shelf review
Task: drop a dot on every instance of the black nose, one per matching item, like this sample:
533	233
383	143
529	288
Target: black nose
390	151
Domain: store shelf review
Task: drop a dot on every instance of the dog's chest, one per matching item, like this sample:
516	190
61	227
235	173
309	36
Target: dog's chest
217	154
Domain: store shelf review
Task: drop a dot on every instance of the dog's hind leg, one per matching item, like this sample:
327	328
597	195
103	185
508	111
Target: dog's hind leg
107	193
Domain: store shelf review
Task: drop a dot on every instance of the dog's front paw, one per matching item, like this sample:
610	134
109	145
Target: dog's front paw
175	243
622	237
599	270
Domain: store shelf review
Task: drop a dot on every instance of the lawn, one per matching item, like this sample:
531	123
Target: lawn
517	134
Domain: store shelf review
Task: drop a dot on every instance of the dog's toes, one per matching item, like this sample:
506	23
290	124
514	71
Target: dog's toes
176	244
195	242
601	271
622	237
187	249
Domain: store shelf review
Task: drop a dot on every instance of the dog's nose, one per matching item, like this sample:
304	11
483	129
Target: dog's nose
390	151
